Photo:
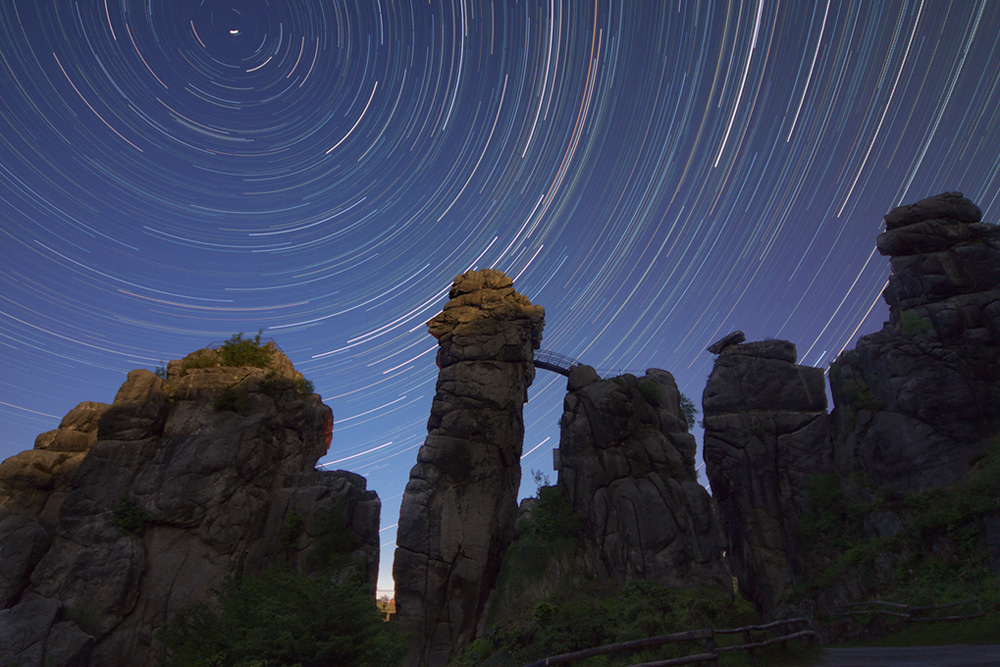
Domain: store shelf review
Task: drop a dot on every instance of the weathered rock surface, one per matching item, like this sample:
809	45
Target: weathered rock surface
460	504
130	511
627	464
915	410
916	402
35	482
767	433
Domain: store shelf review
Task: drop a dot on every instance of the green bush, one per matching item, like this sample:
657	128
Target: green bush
283	618
901	567
688	411
240	351
129	518
860	395
591	613
554	515
303	387
233	398
203	361
650	390
911	324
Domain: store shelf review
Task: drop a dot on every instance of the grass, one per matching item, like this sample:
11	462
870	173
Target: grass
982	630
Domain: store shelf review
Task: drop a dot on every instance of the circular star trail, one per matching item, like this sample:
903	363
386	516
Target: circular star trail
656	174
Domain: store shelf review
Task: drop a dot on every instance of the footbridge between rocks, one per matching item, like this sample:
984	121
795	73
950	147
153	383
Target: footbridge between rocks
555	362
560	363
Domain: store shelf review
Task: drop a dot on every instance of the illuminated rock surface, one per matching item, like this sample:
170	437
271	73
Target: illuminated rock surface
460	504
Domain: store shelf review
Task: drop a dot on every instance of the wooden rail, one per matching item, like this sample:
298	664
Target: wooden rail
707	635
905	611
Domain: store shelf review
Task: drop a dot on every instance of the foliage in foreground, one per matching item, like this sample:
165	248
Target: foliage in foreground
938	555
598	612
546	601
283	618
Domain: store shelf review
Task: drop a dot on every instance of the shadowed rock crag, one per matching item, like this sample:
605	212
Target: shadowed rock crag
767	433
460	504
627	464
916	403
129	511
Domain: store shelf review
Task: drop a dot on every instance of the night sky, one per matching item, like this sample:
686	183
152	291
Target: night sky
655	174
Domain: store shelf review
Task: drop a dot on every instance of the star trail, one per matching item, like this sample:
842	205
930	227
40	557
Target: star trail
654	173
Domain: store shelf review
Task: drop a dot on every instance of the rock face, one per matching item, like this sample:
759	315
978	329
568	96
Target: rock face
460	504
627	465
916	402
915	413
130	511
767	433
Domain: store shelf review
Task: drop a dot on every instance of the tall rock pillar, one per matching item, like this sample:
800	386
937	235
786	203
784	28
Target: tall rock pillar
767	434
460	505
627	464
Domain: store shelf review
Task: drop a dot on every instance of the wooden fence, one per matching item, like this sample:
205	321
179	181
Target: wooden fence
708	635
907	613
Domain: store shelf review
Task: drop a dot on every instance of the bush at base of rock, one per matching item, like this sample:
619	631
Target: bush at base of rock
279	618
593	613
920	548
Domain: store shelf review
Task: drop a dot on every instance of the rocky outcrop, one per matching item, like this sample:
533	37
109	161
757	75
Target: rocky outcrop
627	465
767	433
460	504
130	511
915	414
35	482
916	403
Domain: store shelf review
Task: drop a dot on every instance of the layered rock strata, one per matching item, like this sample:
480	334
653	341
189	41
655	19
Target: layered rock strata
129	511
916	403
460	504
627	465
767	433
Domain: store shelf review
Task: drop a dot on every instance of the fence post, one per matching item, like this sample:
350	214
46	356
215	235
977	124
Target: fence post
749	640
710	645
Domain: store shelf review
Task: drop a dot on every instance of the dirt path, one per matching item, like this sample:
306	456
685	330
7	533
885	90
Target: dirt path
914	656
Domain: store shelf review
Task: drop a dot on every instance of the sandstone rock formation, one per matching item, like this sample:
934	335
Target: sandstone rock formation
916	402
767	433
627	464
915	412
460	504
130	511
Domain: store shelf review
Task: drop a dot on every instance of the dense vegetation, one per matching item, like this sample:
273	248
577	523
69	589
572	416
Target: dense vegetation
546	603
283	618
933	553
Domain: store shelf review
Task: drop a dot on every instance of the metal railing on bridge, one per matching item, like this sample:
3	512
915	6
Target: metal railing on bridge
555	362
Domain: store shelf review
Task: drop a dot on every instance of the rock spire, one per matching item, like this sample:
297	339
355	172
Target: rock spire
767	432
627	464
460	504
